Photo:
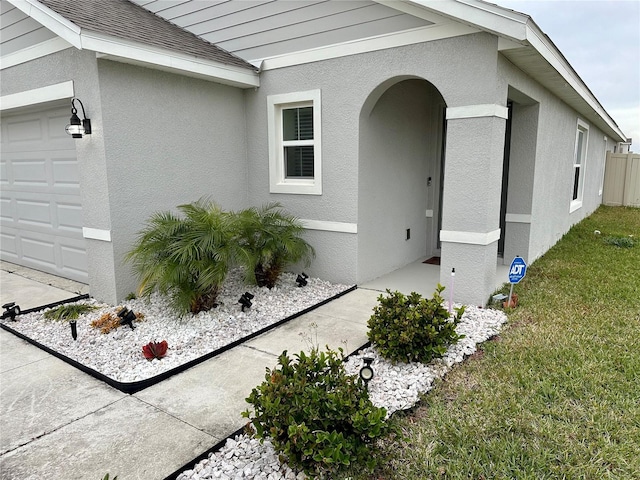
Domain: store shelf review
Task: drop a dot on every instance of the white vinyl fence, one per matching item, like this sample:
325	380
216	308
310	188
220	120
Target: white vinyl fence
622	180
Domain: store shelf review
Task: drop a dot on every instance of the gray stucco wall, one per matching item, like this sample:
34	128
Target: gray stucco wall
554	155
398	153
457	67
169	140
158	140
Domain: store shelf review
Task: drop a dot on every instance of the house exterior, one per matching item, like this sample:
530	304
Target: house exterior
396	130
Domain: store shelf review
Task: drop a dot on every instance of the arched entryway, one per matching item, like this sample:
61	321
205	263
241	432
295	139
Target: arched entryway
401	155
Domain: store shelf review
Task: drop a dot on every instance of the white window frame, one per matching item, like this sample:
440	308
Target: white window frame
278	183
579	162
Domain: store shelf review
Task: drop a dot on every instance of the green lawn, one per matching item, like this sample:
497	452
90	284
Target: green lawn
557	395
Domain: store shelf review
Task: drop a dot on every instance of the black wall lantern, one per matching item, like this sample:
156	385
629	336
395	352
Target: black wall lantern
77	128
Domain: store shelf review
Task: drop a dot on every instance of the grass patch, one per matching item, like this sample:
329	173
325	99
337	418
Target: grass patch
68	311
557	395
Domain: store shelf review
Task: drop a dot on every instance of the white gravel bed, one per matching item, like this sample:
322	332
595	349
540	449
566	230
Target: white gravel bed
394	386
118	354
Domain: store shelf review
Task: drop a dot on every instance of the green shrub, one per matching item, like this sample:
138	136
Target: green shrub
319	417
411	328
269	240
185	257
68	311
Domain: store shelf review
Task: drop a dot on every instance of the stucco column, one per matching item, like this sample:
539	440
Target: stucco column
471	200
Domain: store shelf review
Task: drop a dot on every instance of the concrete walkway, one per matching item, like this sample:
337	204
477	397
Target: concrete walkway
58	422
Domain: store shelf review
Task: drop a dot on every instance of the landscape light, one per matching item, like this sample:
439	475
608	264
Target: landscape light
74	329
366	372
301	280
245	300
10	310
127	317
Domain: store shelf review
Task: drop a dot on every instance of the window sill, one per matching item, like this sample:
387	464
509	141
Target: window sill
575	205
295	188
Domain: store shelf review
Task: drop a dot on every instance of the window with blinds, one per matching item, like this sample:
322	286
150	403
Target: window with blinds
297	142
294	143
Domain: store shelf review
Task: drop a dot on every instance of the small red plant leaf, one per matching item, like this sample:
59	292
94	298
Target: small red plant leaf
155	350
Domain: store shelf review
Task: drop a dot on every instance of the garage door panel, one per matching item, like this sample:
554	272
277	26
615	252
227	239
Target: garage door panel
65	174
6	210
40	205
34	213
4	172
30	172
69	217
39	251
53	214
56	127
21	132
74	261
9	244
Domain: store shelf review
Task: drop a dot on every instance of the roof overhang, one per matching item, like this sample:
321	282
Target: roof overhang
117	49
524	44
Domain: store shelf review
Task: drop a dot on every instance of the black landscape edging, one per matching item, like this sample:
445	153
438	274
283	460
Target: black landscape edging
135	387
84	296
191	465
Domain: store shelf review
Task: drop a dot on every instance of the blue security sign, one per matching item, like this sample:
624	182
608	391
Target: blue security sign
517	270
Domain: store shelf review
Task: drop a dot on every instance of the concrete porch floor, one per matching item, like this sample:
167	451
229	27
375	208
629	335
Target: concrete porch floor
423	278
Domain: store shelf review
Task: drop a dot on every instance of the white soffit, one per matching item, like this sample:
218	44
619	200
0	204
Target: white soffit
132	52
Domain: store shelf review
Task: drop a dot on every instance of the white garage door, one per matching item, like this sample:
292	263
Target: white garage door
41	210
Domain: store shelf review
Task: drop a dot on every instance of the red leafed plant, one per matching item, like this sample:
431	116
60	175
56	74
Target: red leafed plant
155	350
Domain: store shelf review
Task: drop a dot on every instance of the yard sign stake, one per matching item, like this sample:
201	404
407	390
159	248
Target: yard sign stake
453	274
517	271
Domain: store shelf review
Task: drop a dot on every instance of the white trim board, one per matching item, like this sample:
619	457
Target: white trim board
518	218
328	226
49	93
33	52
96	234
371	44
470	238
477	111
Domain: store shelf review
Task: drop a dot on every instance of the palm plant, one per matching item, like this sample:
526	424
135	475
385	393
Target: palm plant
185	257
268	240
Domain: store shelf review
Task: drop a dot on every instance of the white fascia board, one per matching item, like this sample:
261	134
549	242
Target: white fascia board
35	96
32	52
49	19
487	17
551	54
131	52
370	44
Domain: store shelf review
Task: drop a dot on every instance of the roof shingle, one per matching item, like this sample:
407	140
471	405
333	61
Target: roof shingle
127	20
